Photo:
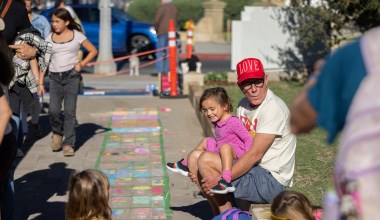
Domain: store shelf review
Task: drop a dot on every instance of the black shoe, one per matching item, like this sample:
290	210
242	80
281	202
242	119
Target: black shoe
37	131
223	187
178	167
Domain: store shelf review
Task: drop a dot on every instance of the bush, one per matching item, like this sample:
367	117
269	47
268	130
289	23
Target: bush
215	77
145	10
188	10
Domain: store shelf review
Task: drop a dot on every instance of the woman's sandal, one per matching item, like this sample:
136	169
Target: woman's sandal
68	151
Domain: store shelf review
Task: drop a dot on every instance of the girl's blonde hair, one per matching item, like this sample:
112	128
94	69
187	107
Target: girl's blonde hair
290	205
88	196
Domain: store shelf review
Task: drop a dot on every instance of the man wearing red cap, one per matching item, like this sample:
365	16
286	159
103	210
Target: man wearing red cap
268	167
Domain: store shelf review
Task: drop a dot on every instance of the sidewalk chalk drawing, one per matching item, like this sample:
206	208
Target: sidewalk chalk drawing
132	157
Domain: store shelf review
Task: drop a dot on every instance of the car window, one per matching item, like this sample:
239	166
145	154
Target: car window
88	14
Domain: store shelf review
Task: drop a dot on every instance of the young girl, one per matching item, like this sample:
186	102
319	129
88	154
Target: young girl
88	196
293	205
66	38
231	140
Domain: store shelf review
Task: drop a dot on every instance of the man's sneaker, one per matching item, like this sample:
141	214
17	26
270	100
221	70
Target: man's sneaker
178	167
223	187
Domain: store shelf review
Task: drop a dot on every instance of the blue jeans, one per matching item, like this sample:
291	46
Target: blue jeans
162	66
64	88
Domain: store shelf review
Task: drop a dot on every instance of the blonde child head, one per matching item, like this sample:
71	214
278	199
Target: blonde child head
290	205
88	196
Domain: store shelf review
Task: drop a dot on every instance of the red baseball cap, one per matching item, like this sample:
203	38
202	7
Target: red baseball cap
249	68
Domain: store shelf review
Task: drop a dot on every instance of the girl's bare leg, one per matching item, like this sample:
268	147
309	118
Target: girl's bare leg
195	177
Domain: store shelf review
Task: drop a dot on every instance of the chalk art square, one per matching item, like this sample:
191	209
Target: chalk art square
114	165
142	139
119	214
157	190
157	172
141	191
120	191
144	166
112	144
157	201
159	213
120	202
141	201
157	182
126	181
123	173
142	151
142	181
141	213
141	173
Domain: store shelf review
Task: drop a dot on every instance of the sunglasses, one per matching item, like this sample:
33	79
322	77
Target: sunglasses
258	83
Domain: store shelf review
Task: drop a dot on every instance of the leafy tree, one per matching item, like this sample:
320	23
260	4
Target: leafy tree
188	10
145	10
319	27
364	13
233	8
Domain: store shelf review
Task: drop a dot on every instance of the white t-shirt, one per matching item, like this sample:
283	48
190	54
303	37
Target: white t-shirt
272	117
65	55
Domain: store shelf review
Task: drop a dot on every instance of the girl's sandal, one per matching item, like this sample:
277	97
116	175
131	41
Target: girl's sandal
68	151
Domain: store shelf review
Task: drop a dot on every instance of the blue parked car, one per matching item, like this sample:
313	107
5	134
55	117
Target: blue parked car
127	33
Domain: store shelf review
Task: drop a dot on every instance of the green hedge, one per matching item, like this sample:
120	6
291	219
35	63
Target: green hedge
145	10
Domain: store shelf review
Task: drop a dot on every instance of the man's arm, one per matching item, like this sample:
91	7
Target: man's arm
261	143
302	114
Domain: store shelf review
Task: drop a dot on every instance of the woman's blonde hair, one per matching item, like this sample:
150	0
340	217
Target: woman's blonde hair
88	196
290	205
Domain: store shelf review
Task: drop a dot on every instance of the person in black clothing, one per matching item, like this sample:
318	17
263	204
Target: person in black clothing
15	19
7	138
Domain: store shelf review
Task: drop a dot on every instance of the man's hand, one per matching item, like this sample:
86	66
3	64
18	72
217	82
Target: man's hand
24	51
209	182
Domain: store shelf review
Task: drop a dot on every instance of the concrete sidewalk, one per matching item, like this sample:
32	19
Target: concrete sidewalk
209	50
41	176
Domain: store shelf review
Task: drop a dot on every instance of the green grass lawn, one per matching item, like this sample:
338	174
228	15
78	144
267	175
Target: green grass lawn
314	158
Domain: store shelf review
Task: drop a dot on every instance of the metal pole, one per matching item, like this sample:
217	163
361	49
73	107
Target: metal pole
105	39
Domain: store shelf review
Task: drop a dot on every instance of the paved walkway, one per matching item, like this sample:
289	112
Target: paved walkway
109	130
